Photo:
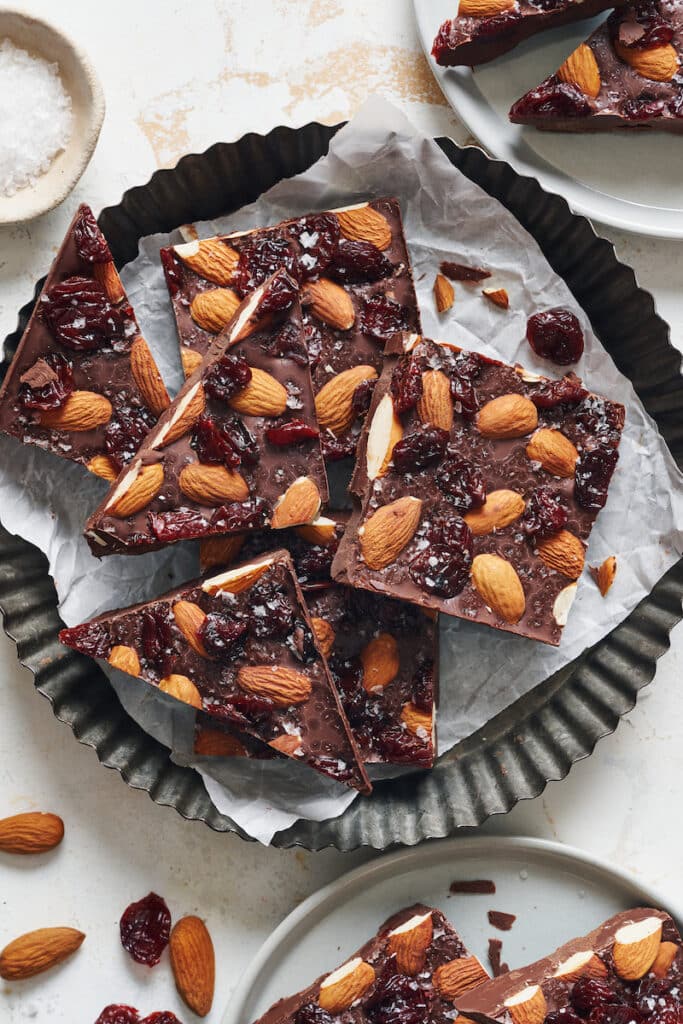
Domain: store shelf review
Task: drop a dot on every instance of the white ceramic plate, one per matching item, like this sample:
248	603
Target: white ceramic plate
555	891
631	180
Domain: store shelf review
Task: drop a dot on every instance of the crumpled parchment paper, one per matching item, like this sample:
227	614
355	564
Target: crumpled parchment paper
482	671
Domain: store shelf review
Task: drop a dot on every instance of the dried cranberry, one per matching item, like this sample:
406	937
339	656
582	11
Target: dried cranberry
460	272
401	747
420	448
423	686
80	315
245	710
181	524
545	514
676	104
48	383
336	448
589	993
670	1014
242	440
223	637
288	342
313	562
358	262
145	929
347	674
551	393
91	245
565	1015
293	432
313	338
549	5
442	570
555	334
330	766
125	432
311	1013
640	27
382	318
552	98
318	237
642	108
397	999
592	476
279	295
443	43
462	482
464	370
498	23
173	271
117	1013
260	258
608	1014
90	638
362	396
656	994
301	642
271	612
211	445
602	418
157	635
406	384
246	515
227	376
160	1017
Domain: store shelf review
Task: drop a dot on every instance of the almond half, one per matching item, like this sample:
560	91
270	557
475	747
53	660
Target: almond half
410	941
388	530
583	964
499	510
38	951
528	1006
510	415
321	531
384	433
284	686
299	504
193	963
364	223
604	574
212	259
635	948
324	635
331	304
189	619
263	396
444	294
138	493
497	296
334	401
458	976
32	832
499	586
380	662
436	406
581	69
147	376
83	410
185	415
343	987
234	581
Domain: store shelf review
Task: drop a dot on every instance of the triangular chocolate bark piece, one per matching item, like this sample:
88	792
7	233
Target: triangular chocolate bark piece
83	383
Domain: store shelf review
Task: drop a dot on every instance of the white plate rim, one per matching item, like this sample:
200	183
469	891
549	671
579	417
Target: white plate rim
582	199
385	865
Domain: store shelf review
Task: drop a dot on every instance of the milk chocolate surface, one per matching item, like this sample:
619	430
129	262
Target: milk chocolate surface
240	648
385	981
223	458
83	384
638	55
454	523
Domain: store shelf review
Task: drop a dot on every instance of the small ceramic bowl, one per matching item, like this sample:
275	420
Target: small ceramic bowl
87	98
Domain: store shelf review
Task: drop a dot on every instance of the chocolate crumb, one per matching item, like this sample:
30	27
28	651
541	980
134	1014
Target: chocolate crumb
460	272
495	950
503	922
38	375
481	886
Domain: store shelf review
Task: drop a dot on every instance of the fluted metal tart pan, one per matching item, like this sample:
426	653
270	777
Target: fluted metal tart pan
540	736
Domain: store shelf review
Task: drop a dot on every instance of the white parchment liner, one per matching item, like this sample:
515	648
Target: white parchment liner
482	671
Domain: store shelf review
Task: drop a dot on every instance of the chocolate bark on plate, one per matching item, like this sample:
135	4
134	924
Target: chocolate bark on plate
238	449
383	654
484	29
240	647
477	485
627	971
357	290
411	970
83	383
627	74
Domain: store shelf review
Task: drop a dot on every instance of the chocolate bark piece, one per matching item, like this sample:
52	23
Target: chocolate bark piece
477	485
632	960
412	970
238	449
383	654
485	29
239	647
627	74
357	290
83	383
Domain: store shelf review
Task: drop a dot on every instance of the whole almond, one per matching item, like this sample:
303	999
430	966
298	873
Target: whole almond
324	635
436	405
83	410
214	309
554	451
380	661
507	416
139	493
499	510
38	951
365	224
108	276
454	978
334	401
444	293
385	432
483	8
263	396
409	943
212	485
604	574
299	504
125	659
528	1006
31	832
388	530
183	689
186	414
344	986
284	686
102	466
498	296
581	69
211	258
659	64
416	720
331	304
190	360
564	553
189	619
147	376
193	963
215	743
498	584
219	551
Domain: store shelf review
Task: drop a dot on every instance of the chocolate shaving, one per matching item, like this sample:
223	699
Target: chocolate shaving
478	886
503	922
459	272
495	950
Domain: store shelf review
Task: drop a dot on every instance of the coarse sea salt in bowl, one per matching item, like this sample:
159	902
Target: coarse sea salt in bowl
51	127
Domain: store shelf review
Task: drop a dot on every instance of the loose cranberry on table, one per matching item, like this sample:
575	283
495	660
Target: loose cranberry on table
117	1013
160	1017
556	334
145	929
